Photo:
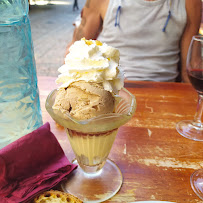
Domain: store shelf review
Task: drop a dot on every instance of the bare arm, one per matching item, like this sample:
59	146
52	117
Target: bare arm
91	21
194	12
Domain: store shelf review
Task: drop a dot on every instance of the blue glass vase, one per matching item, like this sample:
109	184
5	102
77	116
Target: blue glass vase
20	111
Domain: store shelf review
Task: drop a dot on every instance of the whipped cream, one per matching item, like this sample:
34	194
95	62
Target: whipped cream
92	61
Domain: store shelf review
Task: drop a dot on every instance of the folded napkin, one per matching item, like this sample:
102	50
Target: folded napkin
32	164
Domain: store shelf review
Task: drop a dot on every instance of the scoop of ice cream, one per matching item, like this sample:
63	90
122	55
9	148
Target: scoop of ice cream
84	100
92	61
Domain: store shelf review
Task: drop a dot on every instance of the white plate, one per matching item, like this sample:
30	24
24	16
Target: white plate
151	202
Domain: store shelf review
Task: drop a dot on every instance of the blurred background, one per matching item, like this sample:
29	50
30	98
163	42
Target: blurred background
52	29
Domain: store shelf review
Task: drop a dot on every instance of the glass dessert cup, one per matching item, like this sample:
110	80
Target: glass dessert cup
97	178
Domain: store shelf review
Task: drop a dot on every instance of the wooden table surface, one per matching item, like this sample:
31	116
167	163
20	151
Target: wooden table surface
156	162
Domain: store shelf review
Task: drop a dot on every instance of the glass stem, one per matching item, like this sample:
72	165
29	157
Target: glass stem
198	115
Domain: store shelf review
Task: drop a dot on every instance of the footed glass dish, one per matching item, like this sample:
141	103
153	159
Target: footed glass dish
97	177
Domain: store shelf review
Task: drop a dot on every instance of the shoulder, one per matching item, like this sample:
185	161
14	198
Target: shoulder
99	6
194	10
193	5
96	4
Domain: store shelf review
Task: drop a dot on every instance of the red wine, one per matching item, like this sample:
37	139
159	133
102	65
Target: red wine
196	78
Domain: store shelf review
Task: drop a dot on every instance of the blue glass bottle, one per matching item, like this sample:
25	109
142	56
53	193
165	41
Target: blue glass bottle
20	111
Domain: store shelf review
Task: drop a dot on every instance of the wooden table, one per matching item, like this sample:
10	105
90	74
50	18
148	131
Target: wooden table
156	162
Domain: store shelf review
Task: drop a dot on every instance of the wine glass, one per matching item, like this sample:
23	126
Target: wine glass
193	129
196	181
97	178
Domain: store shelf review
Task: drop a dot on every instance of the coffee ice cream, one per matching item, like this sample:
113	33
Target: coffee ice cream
84	100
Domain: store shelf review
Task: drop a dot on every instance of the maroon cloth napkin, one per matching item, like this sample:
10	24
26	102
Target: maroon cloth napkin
32	164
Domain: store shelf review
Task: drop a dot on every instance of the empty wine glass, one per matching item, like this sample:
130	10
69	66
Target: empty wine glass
196	181
193	129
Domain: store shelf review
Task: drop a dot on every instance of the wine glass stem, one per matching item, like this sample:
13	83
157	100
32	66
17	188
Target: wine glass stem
198	115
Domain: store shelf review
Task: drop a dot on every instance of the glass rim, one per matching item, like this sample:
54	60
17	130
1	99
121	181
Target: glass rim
95	124
198	38
130	112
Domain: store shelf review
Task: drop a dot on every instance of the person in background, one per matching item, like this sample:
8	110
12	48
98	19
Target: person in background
75	5
153	36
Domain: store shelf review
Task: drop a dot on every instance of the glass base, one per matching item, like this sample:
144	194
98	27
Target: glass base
96	187
196	181
189	130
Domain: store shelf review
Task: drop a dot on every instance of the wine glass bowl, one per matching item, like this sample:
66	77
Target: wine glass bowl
196	79
194	63
91	141
193	129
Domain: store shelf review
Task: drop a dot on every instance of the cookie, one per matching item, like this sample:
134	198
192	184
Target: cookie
55	196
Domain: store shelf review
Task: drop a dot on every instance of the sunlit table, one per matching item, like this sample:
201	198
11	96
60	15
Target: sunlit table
156	162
